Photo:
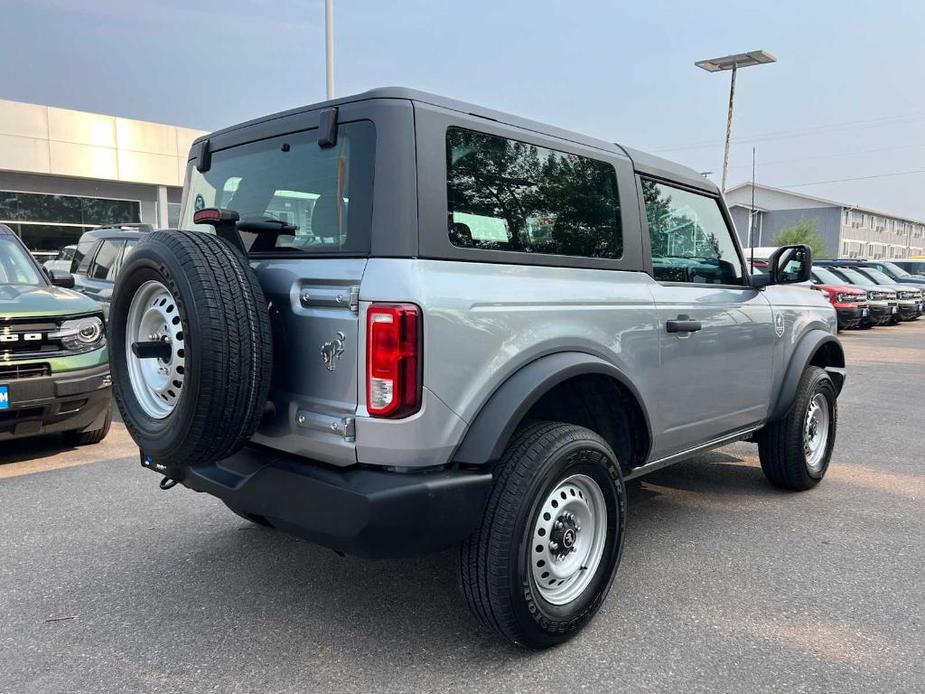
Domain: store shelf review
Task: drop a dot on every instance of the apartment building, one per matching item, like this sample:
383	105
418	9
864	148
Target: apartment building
849	231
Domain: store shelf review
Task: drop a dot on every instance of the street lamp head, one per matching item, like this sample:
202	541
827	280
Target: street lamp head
727	62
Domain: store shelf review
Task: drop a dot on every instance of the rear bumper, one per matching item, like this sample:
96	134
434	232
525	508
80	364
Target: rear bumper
372	513
66	401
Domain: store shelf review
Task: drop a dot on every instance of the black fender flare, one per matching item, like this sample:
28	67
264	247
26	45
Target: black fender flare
492	428
804	353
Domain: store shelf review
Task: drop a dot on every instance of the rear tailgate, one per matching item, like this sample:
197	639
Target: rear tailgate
314	317
319	201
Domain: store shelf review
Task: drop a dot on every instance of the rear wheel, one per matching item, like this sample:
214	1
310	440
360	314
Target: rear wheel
550	542
795	450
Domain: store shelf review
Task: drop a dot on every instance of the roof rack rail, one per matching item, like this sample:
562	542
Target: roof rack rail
128	226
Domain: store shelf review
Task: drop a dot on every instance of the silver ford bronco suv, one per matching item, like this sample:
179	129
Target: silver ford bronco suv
394	323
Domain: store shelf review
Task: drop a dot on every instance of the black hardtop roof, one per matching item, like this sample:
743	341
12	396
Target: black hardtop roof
642	162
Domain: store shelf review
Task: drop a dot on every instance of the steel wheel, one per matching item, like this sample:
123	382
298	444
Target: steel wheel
568	540
816	432
156	382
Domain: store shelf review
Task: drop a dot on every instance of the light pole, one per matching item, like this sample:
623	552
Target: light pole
329	47
733	63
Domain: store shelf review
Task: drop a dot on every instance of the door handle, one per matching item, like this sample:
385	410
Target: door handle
683	324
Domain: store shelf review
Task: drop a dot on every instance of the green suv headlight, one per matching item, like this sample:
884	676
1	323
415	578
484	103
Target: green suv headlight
81	334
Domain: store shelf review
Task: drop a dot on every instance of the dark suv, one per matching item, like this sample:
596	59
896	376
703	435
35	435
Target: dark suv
99	256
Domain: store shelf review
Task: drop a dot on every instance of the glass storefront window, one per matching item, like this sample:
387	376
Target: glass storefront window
49	222
66	209
47	237
173	215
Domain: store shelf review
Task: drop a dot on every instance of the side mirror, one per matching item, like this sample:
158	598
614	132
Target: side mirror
62	279
787	265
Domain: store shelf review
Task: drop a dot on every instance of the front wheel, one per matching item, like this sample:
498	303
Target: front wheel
795	450
88	438
543	560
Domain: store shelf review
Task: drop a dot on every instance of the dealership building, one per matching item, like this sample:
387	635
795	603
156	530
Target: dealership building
63	172
849	231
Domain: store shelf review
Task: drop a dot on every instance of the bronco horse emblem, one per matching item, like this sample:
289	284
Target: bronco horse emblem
332	351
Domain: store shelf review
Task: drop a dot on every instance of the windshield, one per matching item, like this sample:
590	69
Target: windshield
323	195
16	267
876	275
853	276
895	270
826	276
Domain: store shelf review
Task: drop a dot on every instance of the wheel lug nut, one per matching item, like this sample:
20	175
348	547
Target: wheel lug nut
553	545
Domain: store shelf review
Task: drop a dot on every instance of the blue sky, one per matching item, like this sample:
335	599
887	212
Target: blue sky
845	100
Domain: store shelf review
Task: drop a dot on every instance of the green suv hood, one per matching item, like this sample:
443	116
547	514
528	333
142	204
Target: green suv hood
27	301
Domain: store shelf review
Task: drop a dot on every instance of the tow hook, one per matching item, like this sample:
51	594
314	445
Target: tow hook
168	481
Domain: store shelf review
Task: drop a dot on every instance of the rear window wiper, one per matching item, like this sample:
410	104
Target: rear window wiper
267	224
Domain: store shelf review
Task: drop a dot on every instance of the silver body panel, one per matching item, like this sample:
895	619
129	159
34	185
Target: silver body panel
483	322
487	314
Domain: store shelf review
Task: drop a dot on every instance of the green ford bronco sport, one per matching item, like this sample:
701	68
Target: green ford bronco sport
54	370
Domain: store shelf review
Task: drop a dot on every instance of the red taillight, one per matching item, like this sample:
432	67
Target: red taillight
393	360
212	215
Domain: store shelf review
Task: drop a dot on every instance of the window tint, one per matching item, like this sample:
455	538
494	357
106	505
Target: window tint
689	237
822	275
129	247
104	265
83	255
877	276
894	270
852	276
324	194
513	196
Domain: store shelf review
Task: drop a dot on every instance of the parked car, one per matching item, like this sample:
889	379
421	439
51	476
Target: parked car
908	296
911	265
99	255
878	297
61	262
851	303
476	351
896	273
54	371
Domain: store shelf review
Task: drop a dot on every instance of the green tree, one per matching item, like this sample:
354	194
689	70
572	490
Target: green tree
804	232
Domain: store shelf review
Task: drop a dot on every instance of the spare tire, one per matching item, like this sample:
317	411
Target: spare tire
190	348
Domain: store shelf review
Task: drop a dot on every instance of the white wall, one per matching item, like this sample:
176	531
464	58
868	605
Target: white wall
46	140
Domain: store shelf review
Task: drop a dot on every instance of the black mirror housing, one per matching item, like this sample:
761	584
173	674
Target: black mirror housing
62	279
787	265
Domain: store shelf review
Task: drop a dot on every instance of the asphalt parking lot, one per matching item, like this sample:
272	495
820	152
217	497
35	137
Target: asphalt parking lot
109	584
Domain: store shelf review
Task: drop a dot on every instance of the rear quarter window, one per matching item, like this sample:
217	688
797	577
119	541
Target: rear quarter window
508	195
83	255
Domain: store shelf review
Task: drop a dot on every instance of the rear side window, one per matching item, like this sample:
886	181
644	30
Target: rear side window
506	195
689	237
104	265
83	255
323	194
